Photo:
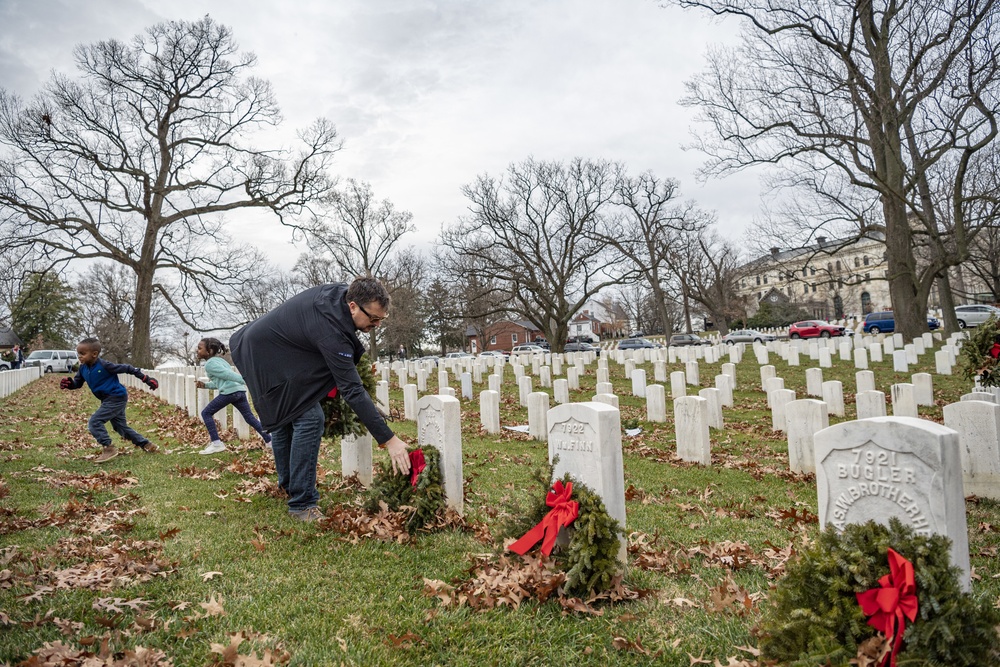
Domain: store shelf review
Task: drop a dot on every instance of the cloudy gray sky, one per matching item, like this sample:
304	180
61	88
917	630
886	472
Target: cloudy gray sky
429	93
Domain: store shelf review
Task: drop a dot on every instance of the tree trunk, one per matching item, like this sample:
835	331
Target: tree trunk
141	319
950	323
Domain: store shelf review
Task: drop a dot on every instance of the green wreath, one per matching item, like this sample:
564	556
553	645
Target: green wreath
815	619
976	362
426	499
590	559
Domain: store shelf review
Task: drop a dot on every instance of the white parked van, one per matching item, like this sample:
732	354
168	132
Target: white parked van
53	361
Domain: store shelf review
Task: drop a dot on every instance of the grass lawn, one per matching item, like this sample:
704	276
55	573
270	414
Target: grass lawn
176	558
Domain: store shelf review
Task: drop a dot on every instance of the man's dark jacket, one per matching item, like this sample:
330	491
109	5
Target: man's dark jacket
292	357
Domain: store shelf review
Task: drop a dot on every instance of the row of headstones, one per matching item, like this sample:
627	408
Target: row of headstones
865	348
586	438
178	388
11	381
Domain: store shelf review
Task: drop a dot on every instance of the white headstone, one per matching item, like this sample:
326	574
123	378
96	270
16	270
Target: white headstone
772	384
864	381
724	384
356	457
587	438
870	404
804	418
779	399
560	391
692	373
814	382
678	384
978	427
538	408
923	388
765	373
439	424
861	358
639	383
825	360
792	356
713	407
833	396
573	378
875	352
911	353
382	395
410	402
467	386
523	389
659	371
691	424
494	383
489	411
656	403
911	469
545	376
608	399
904	402
730	370
845	349
899	363
987	396
942	362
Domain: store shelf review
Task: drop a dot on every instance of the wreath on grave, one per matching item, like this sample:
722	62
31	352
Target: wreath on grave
421	492
590	558
877	595
981	354
340	418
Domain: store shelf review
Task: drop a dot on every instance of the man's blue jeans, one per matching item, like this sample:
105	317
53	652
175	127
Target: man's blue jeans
113	410
296	454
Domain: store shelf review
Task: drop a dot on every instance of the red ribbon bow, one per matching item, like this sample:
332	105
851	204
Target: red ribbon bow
890	605
417	465
564	512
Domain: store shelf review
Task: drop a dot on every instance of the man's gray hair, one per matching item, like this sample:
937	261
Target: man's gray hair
366	290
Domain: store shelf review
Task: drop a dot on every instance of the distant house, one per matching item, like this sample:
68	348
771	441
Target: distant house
586	326
8	338
502	336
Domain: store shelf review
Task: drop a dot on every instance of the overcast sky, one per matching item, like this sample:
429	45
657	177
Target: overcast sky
429	93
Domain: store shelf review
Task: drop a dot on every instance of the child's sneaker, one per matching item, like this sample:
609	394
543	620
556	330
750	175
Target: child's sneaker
148	447
107	454
214	447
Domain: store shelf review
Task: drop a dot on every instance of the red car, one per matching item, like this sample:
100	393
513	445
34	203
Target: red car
814	329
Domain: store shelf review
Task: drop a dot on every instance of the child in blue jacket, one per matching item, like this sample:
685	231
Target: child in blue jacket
102	378
232	390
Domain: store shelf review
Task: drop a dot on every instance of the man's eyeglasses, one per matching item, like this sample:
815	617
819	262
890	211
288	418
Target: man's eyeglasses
374	320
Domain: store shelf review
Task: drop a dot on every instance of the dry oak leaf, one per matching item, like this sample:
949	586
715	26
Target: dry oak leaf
213	607
210	575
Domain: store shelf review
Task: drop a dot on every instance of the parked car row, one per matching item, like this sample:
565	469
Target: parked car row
747	336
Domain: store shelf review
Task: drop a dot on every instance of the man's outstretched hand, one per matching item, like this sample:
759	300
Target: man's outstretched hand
398	455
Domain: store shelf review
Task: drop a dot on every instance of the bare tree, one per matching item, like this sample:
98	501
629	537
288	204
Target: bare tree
406	275
135	162
362	234
711	277
880	93
646	232
537	234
